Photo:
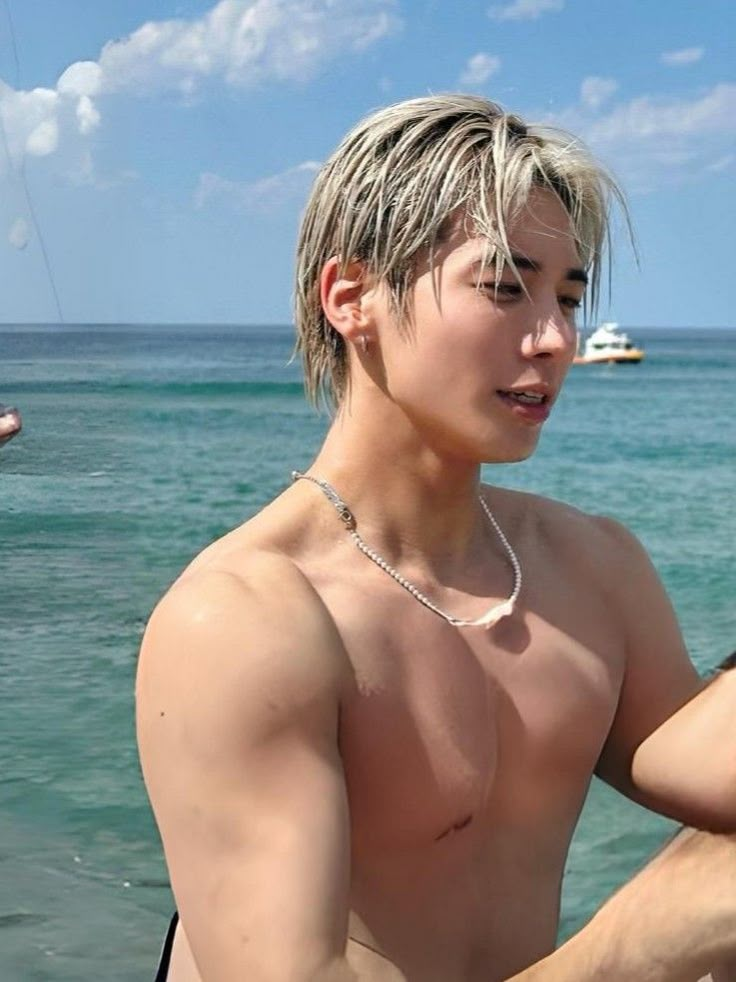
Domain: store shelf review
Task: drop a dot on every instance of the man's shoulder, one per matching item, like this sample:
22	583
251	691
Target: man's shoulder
567	529
246	620
248	578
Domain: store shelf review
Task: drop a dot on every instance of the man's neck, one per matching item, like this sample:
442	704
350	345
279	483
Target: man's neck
411	502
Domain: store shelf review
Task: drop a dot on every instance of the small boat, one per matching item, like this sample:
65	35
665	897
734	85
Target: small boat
608	346
10	423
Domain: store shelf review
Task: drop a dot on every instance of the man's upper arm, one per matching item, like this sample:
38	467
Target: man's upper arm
237	707
671	767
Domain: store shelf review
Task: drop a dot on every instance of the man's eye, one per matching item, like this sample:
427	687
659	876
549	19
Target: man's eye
572	303
510	290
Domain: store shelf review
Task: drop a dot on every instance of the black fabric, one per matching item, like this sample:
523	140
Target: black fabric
163	965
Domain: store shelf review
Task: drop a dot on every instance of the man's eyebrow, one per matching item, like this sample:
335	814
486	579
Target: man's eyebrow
524	262
575	274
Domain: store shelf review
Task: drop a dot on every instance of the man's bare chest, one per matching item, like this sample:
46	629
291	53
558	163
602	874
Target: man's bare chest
448	729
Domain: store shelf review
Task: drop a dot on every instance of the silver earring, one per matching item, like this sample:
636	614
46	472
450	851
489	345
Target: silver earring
363	343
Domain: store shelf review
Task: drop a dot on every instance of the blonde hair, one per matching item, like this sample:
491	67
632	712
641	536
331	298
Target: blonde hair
389	191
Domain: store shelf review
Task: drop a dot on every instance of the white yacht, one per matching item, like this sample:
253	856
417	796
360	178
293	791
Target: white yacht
608	345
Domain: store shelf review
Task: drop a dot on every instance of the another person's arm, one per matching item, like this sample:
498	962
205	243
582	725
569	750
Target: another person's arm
237	711
673	922
672	745
672	748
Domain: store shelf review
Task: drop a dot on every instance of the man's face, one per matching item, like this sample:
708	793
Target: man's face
477	373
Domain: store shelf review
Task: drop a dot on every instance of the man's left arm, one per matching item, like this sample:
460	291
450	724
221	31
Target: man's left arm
672	745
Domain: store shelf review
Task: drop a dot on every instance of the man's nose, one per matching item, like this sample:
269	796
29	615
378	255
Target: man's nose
551	335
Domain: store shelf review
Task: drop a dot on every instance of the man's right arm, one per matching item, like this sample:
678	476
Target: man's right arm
237	712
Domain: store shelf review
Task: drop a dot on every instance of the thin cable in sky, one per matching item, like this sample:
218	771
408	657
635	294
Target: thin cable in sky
21	172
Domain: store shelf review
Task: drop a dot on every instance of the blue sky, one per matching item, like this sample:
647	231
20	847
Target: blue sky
168	147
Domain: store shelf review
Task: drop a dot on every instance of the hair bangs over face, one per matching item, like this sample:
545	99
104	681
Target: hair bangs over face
395	188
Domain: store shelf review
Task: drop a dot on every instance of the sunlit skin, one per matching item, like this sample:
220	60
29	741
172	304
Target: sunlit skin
347	786
471	338
425	407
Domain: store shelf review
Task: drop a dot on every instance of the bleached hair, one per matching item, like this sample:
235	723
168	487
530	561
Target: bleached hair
390	192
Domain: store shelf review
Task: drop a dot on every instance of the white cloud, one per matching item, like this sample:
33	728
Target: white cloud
653	140
663	118
29	121
479	69
723	163
238	42
595	89
526	9
265	195
81	78
244	42
19	234
88	116
43	139
685	56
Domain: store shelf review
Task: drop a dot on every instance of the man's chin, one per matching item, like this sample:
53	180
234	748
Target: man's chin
510	455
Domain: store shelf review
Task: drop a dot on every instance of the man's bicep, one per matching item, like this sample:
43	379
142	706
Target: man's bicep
260	871
238	736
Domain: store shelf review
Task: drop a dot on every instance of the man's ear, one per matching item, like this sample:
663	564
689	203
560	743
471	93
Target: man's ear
342	293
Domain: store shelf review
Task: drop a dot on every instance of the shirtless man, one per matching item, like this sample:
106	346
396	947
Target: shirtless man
368	717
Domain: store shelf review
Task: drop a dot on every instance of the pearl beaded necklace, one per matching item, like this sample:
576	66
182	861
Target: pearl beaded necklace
487	620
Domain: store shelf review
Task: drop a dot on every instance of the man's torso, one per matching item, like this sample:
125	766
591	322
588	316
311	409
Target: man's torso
467	752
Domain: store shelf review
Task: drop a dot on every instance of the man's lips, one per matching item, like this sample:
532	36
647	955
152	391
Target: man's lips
532	403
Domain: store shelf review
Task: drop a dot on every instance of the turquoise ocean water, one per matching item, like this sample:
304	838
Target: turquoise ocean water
141	445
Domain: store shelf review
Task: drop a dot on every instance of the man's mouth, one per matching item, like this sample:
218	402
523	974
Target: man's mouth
525	397
527	405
